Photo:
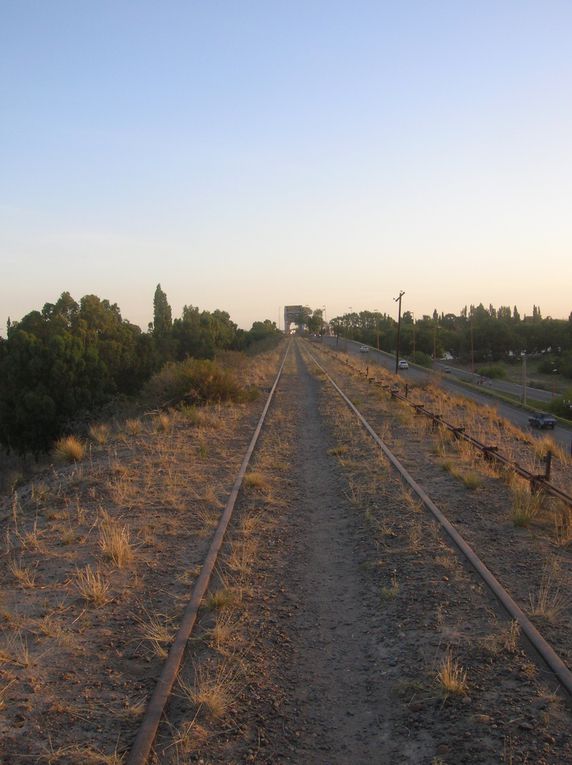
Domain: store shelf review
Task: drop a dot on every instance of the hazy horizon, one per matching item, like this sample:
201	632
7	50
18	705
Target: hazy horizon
247	157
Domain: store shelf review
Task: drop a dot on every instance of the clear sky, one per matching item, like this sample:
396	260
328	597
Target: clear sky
247	154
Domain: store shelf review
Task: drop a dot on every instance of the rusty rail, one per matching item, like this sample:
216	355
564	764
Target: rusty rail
147	731
538	483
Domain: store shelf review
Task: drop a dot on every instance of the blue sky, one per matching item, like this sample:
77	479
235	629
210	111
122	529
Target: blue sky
251	154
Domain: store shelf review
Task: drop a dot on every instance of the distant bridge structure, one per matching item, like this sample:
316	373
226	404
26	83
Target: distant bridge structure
295	314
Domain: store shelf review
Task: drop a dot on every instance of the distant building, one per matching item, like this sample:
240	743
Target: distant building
295	314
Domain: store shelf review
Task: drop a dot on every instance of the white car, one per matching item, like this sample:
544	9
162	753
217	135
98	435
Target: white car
402	364
363	349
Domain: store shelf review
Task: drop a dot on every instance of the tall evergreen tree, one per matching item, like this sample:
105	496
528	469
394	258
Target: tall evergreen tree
162	316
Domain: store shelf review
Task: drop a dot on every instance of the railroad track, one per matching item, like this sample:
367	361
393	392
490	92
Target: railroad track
144	741
541	645
145	737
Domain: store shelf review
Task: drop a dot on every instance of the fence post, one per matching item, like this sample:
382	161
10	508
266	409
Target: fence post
548	465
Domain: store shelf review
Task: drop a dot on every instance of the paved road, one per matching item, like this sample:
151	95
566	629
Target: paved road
562	434
502	386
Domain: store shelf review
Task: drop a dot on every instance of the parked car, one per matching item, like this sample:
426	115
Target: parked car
542	420
363	349
403	364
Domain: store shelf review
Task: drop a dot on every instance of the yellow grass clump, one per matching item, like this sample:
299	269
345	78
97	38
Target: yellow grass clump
69	449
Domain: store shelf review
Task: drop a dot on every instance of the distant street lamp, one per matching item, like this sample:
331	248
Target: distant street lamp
398	300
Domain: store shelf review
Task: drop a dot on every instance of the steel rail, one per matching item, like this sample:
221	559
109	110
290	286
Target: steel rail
147	731
544	649
537	482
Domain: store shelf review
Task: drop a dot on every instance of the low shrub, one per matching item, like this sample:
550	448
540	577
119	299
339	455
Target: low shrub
194	381
423	359
493	371
562	405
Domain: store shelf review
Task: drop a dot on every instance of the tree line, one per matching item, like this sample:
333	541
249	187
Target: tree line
70	358
476	333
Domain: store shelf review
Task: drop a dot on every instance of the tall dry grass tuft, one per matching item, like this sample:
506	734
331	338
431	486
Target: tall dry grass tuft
24	575
213	690
525	506
133	427
115	541
452	677
92	586
549	601
158	631
69	449
99	433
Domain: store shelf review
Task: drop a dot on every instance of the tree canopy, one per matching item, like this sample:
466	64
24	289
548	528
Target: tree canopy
65	361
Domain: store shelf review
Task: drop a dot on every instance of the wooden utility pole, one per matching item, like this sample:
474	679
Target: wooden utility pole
472	347
398	300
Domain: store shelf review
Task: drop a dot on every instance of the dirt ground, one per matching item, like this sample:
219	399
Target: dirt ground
341	626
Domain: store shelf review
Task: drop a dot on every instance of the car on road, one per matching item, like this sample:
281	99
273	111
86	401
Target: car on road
542	420
363	349
402	364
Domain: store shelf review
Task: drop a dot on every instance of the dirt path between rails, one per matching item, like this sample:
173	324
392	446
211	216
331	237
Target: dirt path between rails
334	662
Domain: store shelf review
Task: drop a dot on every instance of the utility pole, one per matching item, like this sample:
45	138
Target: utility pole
413	315
398	300
472	346
524	378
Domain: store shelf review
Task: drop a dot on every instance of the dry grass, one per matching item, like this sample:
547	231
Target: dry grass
163	423
223	598
415	535
505	640
255	480
69	449
76	753
392	590
32	539
115	542
133	426
158	631
213	690
24	575
525	506
92	586
338	451
223	636
452	677
17	650
40	492
549	601
242	556
100	433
